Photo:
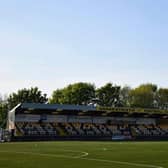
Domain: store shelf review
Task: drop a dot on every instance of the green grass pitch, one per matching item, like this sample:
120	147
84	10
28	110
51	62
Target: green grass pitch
68	154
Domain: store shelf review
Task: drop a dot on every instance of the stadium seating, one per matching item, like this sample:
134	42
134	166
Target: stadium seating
34	129
90	129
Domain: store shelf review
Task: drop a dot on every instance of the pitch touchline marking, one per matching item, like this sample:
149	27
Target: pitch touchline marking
84	158
80	156
124	163
51	155
104	149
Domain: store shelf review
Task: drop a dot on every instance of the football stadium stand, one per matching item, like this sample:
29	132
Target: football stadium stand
69	122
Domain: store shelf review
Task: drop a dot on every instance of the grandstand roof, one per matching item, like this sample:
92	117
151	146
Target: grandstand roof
53	107
88	110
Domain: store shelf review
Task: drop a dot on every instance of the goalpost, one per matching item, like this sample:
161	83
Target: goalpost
5	135
1	135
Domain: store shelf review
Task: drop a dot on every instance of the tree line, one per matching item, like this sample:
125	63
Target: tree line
143	96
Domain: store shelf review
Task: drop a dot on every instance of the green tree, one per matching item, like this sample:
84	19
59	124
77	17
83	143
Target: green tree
3	114
32	95
162	98
125	96
143	96
108	95
78	93
3	110
57	97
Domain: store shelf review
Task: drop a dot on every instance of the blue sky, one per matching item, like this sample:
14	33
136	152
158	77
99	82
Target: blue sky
56	42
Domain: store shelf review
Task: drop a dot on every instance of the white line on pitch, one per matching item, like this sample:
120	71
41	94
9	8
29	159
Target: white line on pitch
84	158
124	163
83	154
